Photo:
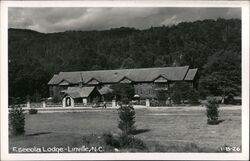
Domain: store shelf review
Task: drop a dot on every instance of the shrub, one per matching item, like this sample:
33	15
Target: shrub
127	119
229	99
131	142
179	92
155	103
56	99
123	142
182	91
212	112
16	120
33	111
110	140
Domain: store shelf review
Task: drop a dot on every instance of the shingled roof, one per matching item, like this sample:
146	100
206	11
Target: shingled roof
78	92
54	79
135	75
191	74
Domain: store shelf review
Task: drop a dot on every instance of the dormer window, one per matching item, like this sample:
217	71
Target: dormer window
125	80
93	81
161	79
64	83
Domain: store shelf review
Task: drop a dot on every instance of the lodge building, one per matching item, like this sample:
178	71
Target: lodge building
84	86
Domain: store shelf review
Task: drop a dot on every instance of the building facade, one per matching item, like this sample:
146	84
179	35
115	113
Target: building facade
146	81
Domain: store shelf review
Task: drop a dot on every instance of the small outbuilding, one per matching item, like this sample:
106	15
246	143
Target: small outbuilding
80	95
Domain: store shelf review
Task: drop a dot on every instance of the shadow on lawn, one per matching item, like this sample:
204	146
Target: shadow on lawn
39	133
210	122
139	131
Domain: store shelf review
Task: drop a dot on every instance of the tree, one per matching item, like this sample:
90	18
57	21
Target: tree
180	92
123	91
16	120
159	63
215	43
96	67
223	74
212	112
127	119
128	63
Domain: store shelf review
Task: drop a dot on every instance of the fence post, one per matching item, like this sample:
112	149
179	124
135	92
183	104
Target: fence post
44	104
113	103
28	104
147	103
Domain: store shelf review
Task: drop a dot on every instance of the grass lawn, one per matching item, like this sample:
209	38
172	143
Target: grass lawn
164	127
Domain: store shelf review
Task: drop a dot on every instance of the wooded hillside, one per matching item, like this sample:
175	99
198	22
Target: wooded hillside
213	46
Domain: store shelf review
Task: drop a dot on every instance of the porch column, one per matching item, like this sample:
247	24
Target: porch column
64	102
84	101
147	103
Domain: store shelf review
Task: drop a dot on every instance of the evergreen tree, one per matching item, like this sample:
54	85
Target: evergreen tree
128	63
123	91
212	112
16	120
159	63
127	119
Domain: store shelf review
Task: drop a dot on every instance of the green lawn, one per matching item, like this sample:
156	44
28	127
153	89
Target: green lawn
165	127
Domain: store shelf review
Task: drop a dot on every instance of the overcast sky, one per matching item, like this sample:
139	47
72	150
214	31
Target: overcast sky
61	19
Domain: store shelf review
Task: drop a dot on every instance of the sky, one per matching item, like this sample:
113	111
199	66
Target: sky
49	20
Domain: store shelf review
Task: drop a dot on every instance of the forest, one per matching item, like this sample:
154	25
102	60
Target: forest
212	46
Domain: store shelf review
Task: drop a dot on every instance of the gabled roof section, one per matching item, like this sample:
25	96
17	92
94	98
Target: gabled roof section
105	90
125	80
114	76
160	79
78	92
191	74
54	80
74	94
93	81
64	83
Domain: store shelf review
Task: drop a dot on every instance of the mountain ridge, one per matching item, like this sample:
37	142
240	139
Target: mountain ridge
34	57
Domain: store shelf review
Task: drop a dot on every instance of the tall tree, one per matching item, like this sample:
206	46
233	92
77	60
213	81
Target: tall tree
128	63
223	73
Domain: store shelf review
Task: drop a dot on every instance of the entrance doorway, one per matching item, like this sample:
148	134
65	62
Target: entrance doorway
68	101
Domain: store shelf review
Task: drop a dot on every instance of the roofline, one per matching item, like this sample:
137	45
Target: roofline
80	72
92	78
123	69
185	74
194	75
135	82
160	76
125	77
